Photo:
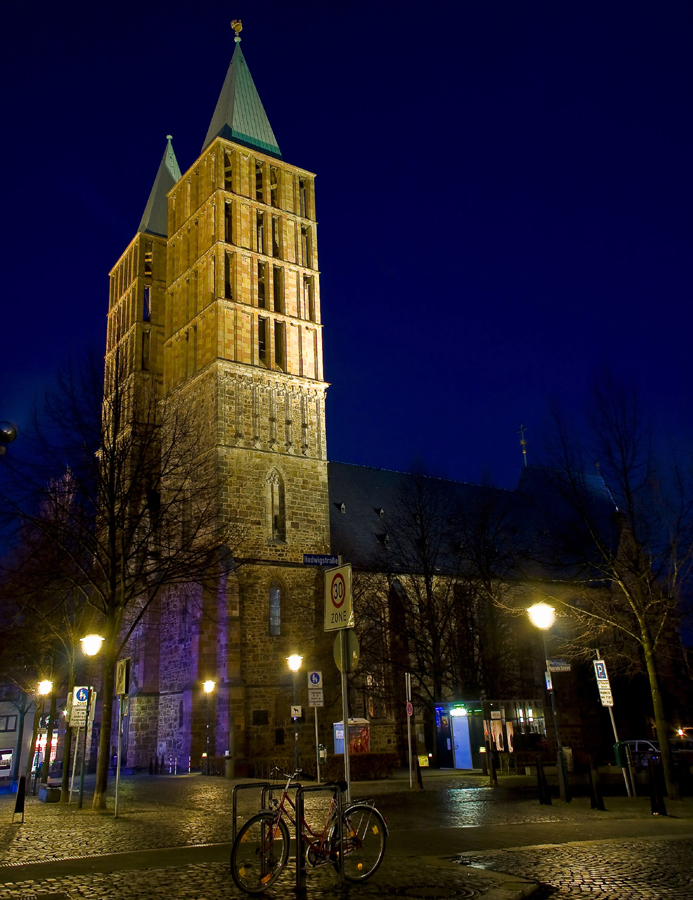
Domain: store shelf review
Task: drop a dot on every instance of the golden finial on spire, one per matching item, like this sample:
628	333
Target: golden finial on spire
237	27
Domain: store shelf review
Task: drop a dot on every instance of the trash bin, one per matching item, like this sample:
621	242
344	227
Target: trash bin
229	766
620	754
49	793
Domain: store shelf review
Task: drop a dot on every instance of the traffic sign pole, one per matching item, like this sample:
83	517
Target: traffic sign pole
84	753
345	717
407	688
607	700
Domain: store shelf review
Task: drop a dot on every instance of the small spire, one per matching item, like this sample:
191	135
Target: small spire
523	442
237	26
169	138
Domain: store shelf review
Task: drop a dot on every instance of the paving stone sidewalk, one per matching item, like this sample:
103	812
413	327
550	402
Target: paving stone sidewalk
173	838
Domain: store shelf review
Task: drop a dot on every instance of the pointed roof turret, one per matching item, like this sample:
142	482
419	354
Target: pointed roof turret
239	115
155	217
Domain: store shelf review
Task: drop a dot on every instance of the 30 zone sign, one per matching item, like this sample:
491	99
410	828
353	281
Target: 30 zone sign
339	612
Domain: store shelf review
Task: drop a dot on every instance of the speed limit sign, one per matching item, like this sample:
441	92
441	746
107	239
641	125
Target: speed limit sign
339	612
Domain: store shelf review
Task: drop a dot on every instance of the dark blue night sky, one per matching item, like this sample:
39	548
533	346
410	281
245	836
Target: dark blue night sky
504	196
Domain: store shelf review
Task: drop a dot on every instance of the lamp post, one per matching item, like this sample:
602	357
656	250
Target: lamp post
208	687
294	662
91	644
542	616
44	689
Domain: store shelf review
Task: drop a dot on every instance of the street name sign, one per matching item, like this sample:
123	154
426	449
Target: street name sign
558	665
339	611
319	559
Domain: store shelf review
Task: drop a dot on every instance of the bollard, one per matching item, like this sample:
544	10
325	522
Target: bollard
156	765
596	799
170	765
657	806
189	762
175	766
151	766
544	795
163	763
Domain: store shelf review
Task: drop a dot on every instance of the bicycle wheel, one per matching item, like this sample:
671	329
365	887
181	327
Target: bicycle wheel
259	853
365	834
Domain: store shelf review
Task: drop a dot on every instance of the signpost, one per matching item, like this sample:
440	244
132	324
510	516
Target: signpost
339	616
410	712
122	689
316	699
607	700
319	559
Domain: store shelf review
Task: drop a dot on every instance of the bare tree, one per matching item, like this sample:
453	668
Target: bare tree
622	540
138	512
429	601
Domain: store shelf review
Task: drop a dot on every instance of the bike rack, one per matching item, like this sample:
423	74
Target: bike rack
336	792
265	785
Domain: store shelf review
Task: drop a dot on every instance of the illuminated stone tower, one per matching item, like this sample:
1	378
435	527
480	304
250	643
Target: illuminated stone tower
242	346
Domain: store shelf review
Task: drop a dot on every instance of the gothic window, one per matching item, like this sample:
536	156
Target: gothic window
259	188
306	246
279	346
275	609
274	186
308	303
275	484
278	285
228	223
148	258
262	340
276	236
260	226
302	206
262	284
228	171
228	276
145	351
147	304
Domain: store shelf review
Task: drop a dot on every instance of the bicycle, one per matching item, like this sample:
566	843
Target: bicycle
261	849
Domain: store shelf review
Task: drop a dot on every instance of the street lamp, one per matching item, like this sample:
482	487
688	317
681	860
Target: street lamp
44	689
91	644
294	662
542	616
208	687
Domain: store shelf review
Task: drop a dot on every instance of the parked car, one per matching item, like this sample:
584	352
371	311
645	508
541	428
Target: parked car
642	751
682	753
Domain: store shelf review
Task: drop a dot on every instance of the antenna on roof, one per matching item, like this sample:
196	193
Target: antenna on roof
237	27
523	442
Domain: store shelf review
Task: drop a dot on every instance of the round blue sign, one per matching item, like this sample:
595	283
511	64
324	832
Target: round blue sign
82	695
315	677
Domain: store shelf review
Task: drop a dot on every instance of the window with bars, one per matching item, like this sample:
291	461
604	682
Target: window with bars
262	340
262	285
278	286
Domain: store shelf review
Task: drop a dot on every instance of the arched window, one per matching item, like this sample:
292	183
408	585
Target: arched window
275	484
275	609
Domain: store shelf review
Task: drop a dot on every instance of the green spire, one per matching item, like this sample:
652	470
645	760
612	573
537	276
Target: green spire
155	217
239	115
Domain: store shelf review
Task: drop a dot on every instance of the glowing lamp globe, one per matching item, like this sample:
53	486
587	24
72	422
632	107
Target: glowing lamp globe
91	644
45	687
209	686
542	615
294	662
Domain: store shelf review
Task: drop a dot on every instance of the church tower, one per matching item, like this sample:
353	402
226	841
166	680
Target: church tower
242	347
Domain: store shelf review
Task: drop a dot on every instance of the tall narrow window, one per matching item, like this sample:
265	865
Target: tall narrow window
302	206
145	351
228	276
306	247
259	187
278	286
275	484
276	236
262	285
279	346
147	304
275	609
148	258
228	223
274	186
228	171
262	340
260	228
308	302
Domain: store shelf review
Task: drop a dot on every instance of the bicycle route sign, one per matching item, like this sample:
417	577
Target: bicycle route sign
339	610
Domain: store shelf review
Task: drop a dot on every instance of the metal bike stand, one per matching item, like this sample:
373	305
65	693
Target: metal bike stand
265	785
336	792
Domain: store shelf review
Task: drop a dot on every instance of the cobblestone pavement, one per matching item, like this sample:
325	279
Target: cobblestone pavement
62	852
611	870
